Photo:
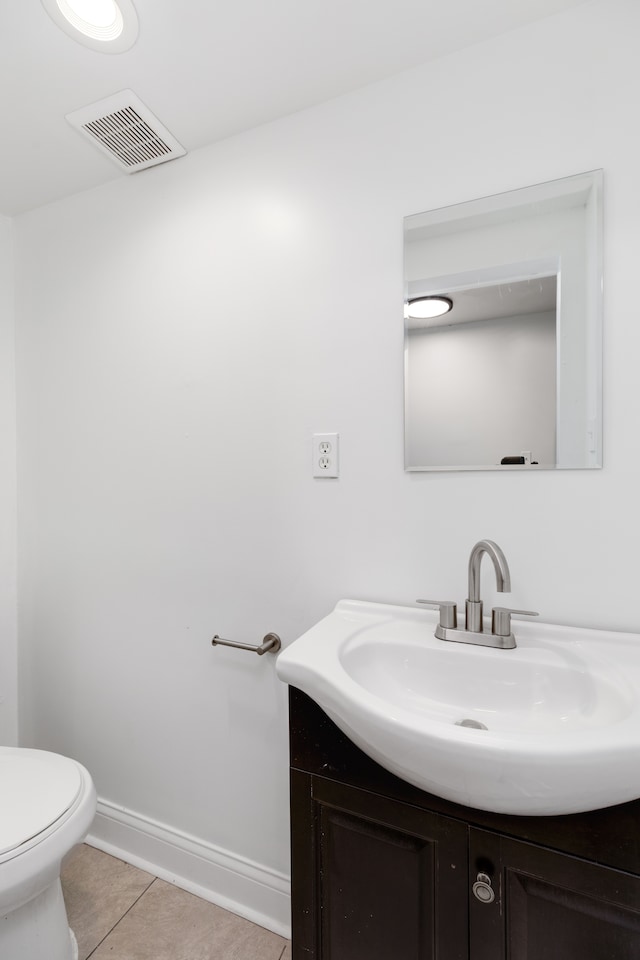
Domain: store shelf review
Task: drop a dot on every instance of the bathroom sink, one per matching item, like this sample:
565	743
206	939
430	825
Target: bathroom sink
550	727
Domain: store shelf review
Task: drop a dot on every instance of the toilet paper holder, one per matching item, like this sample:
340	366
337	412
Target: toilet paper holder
271	643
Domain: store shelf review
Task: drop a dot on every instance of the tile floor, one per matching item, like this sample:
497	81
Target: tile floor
119	912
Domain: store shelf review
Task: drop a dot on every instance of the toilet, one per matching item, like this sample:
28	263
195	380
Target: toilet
47	804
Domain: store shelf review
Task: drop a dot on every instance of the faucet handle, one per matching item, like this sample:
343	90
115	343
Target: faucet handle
448	611
501	619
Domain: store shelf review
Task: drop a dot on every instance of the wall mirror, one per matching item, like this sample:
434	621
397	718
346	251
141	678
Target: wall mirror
509	377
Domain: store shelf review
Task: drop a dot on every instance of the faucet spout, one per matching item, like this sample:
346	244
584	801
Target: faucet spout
503	580
503	577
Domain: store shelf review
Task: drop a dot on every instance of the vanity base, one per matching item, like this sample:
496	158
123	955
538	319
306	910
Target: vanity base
384	871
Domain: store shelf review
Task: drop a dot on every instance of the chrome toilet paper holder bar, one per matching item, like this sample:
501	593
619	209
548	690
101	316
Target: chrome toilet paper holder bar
270	644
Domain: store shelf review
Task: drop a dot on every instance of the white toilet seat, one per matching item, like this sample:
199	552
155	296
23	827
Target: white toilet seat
37	791
47	803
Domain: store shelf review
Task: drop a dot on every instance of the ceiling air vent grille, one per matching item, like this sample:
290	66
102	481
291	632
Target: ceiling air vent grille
123	128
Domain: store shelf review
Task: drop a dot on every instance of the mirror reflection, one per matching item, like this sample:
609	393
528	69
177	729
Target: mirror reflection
503	330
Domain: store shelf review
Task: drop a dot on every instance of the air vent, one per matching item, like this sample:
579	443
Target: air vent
123	128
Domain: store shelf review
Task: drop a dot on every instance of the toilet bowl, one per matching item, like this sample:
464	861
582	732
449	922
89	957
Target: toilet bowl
47	803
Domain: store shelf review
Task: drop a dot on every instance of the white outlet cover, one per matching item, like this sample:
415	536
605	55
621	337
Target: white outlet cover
325	449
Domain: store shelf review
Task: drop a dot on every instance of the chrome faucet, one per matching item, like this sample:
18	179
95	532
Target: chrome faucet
473	605
473	631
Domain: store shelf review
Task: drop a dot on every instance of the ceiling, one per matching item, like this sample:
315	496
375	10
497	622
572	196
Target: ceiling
495	301
208	71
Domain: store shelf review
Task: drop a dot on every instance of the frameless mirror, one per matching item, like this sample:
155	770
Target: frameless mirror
509	377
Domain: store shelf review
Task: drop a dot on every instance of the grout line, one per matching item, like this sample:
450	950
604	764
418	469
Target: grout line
130	908
119	921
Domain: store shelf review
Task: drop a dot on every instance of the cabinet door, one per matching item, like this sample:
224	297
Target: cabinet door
374	879
550	906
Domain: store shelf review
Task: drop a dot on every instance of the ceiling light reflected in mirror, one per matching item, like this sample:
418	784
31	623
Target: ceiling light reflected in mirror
427	308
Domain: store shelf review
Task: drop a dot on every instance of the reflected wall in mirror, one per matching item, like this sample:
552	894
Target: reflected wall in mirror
509	378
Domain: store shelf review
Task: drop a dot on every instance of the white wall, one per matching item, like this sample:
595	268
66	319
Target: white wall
8	633
183	332
478	392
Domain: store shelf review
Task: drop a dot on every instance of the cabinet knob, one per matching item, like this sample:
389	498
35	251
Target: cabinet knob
482	889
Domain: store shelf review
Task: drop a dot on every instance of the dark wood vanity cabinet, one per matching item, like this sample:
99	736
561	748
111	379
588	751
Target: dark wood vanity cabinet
374	879
383	871
551	906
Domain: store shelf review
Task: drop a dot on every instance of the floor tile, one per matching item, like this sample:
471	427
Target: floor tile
287	955
98	889
168	923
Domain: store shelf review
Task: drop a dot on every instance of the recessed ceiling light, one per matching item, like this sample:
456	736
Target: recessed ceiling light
425	308
110	26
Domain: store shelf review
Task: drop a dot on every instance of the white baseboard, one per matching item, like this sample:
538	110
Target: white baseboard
230	881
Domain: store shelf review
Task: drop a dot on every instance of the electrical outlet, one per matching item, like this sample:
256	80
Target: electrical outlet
325	455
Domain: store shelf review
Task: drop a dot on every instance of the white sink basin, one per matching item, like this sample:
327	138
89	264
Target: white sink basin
561	710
